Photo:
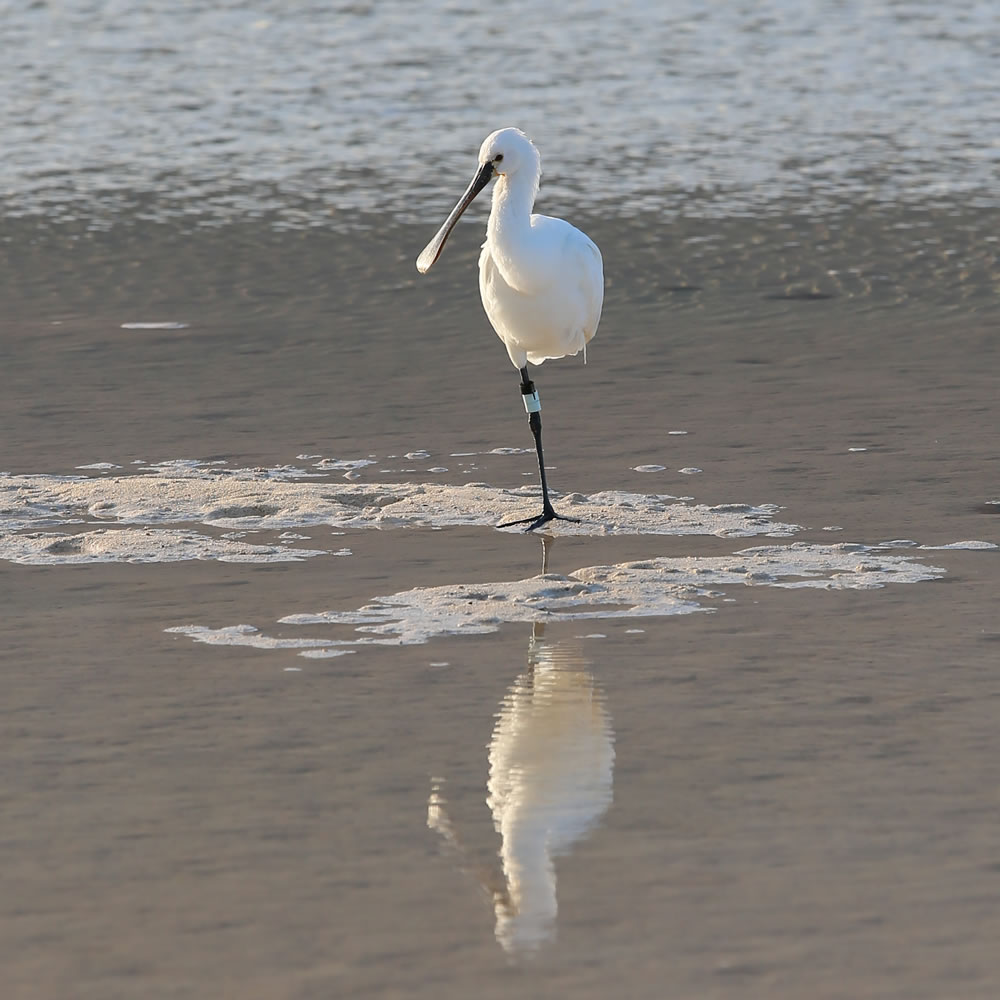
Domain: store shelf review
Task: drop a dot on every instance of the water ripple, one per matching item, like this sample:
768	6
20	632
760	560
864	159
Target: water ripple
224	111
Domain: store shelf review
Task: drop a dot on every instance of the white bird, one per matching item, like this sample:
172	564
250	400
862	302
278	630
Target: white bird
541	279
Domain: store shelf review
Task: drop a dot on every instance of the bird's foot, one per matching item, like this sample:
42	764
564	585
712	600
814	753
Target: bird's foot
547	514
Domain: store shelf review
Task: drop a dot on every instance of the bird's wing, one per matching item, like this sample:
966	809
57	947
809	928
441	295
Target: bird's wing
591	270
580	253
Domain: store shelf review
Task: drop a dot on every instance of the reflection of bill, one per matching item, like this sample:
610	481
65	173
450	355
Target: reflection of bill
551	760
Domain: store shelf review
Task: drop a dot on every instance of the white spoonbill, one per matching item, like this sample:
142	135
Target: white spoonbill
541	279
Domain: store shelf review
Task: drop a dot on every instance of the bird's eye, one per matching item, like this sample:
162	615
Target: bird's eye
498	158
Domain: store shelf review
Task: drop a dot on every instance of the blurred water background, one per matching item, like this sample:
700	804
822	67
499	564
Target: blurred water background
313	111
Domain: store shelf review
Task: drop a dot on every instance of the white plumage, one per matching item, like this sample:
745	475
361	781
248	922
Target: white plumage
541	279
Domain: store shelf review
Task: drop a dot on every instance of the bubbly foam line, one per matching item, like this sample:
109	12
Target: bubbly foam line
136	545
648	588
274	499
249	635
971	545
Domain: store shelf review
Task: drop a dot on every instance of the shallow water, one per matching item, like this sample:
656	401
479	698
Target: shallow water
799	801
285	716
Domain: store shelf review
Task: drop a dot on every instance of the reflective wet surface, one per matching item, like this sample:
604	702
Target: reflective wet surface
551	766
284	715
801	786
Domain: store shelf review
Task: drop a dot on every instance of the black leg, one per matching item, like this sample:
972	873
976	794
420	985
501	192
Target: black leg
533	406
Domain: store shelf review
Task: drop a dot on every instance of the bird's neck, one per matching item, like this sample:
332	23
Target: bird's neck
513	199
509	233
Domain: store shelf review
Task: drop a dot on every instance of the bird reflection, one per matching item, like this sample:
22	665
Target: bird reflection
551	761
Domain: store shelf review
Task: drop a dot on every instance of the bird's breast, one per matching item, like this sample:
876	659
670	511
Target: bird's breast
548	319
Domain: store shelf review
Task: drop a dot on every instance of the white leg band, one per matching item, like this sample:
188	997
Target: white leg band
532	404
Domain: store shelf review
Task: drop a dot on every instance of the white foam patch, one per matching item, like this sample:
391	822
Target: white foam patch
136	545
973	545
186	464
248	635
325	653
168	325
270	499
654	587
340	464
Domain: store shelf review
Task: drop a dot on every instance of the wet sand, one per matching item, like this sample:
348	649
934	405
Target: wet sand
804	780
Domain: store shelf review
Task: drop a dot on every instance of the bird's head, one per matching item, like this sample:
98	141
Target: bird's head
506	152
511	152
